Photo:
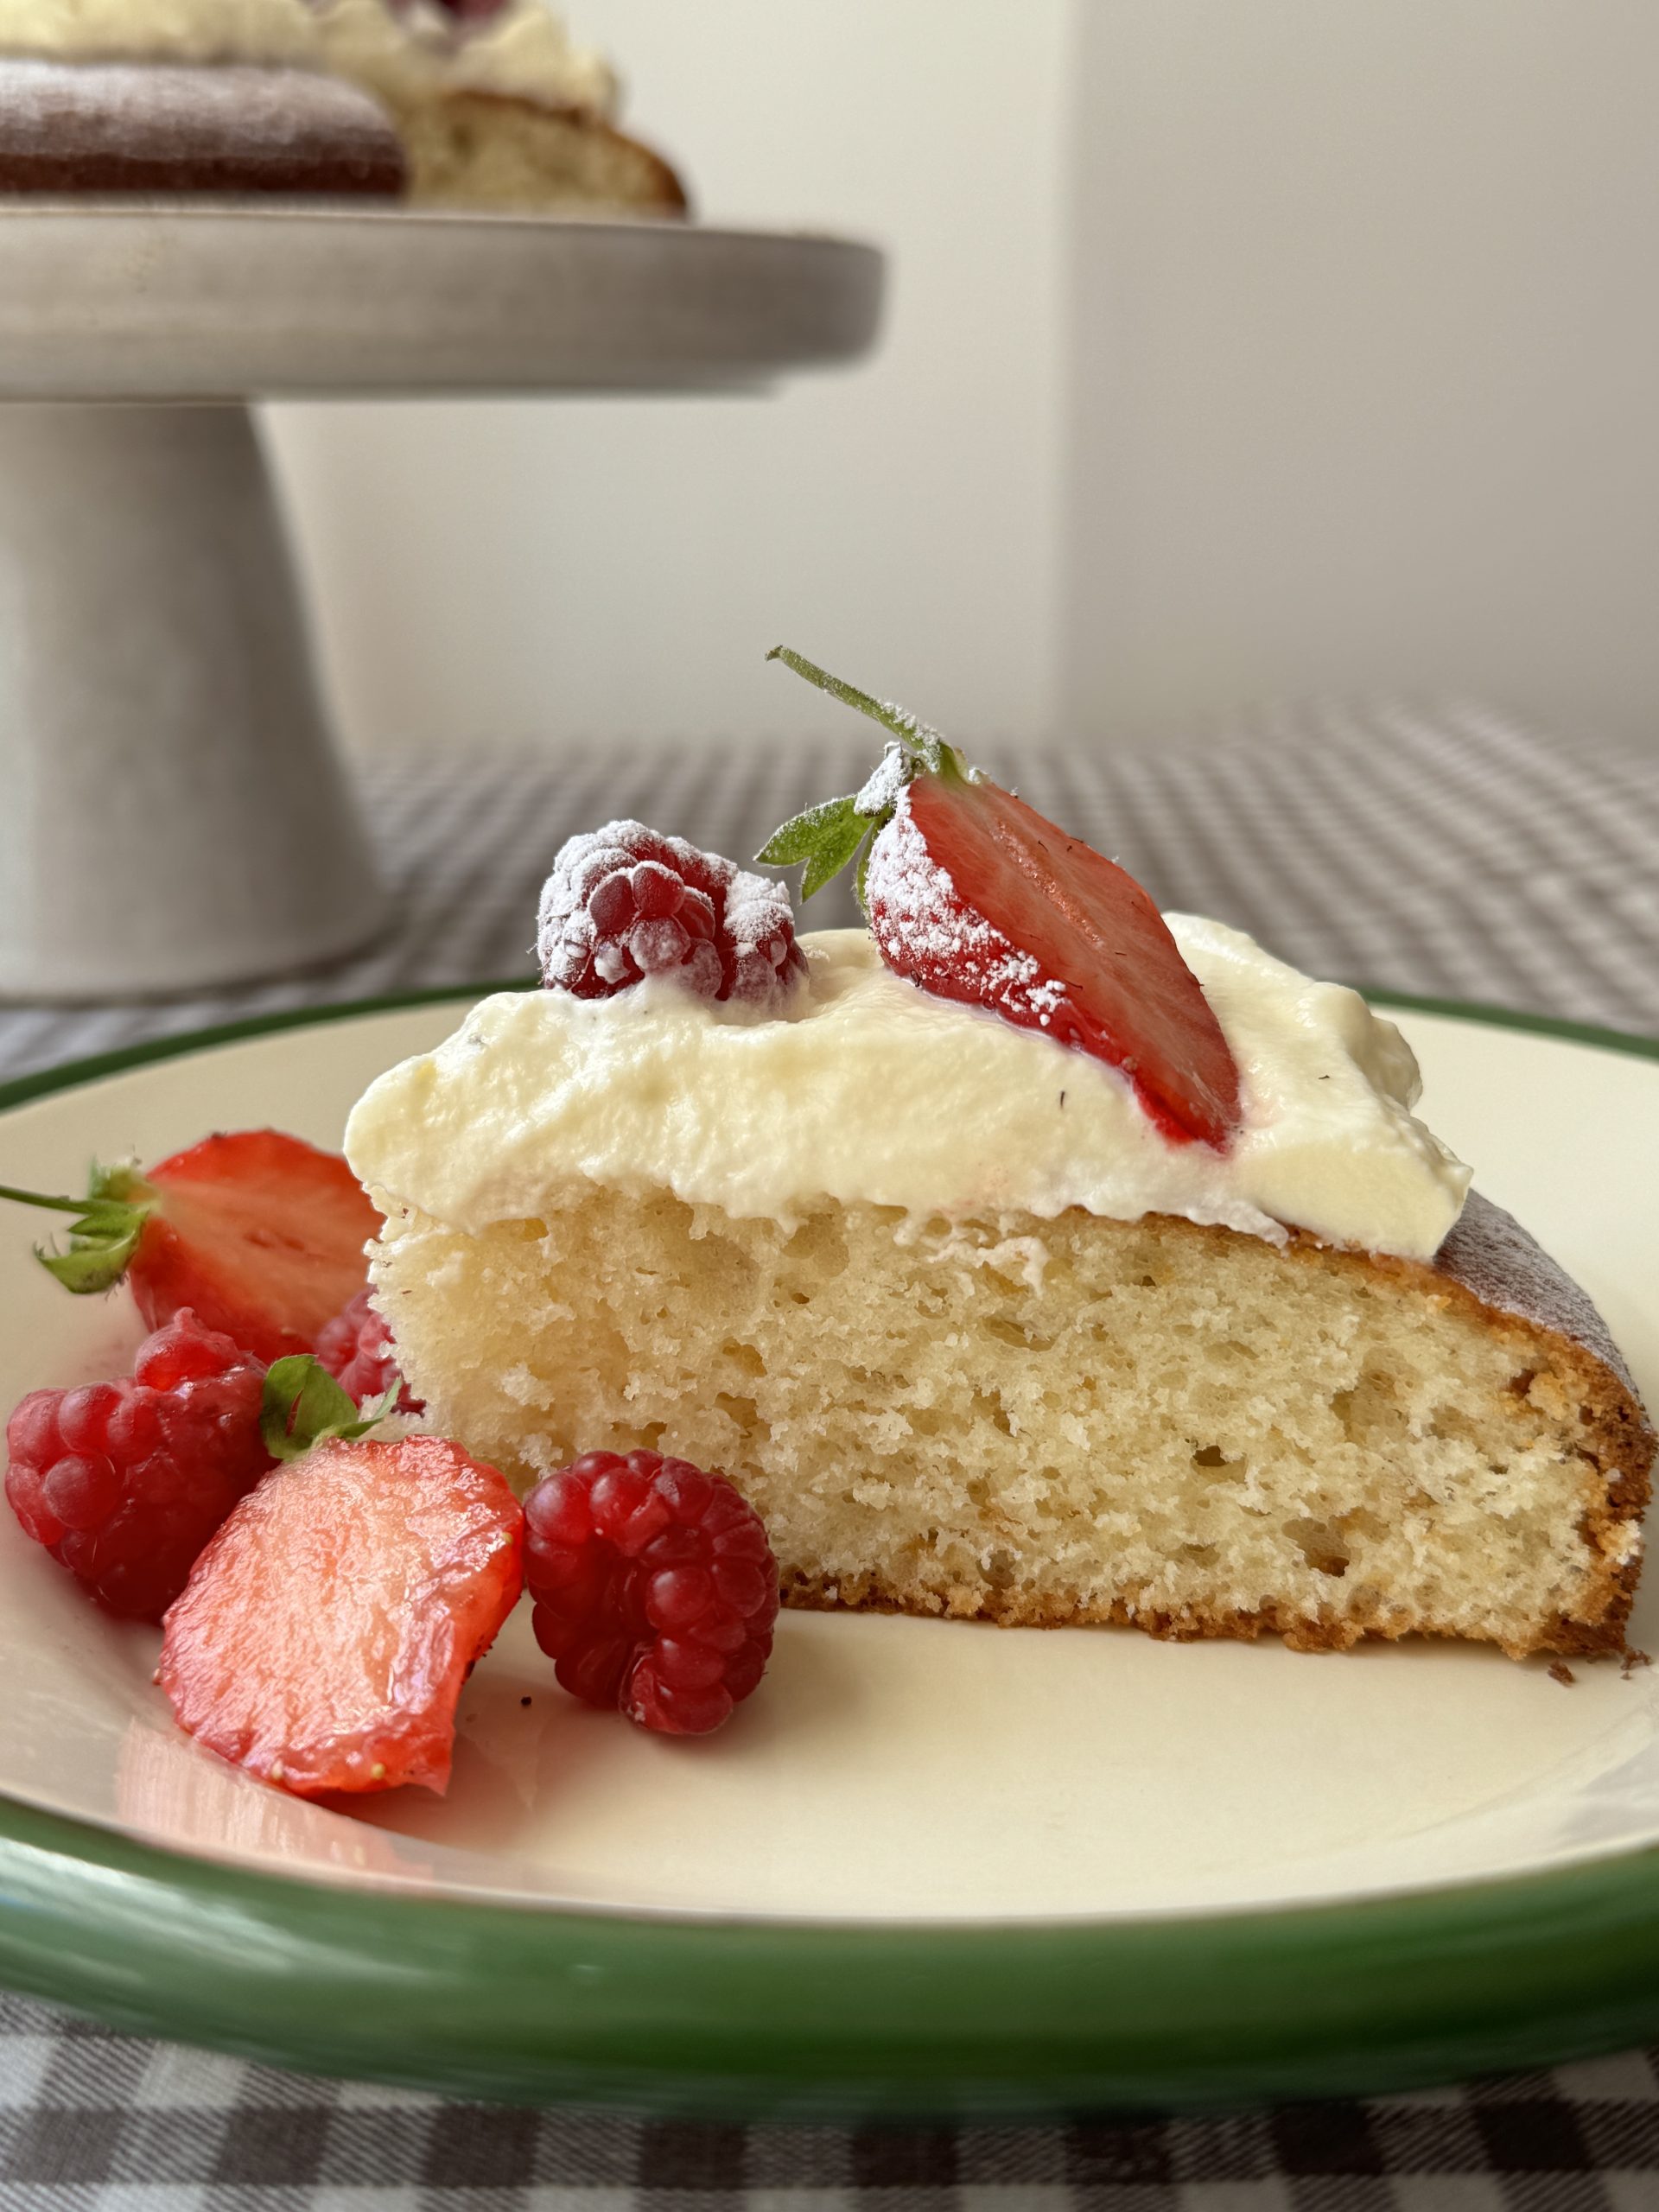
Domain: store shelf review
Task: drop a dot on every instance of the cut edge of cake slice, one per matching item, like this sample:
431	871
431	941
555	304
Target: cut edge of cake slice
1080	1420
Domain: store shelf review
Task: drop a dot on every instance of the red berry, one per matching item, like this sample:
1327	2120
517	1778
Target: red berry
124	1482
262	1234
976	896
327	1628
357	1349
624	903
655	1588
973	895
465	11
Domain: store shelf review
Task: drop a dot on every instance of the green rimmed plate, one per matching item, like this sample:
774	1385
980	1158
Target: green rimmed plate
935	1867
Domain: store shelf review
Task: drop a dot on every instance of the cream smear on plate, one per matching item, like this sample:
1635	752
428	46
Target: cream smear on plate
863	1088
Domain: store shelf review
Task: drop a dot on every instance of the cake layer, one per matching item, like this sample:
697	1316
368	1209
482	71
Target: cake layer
1070	1420
129	127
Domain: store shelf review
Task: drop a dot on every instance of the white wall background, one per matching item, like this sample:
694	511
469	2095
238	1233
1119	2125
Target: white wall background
549	571
1366	358
1238	348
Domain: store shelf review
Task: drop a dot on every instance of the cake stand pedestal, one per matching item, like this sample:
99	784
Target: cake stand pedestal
172	812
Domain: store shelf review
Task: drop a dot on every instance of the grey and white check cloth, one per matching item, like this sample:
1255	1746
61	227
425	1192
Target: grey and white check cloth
1440	851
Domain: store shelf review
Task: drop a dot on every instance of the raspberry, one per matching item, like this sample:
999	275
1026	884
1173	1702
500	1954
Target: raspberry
654	1586
124	1482
624	903
357	1350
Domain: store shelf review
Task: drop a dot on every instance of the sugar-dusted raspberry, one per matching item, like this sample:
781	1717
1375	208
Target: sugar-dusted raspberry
654	1586
357	1349
624	902
124	1482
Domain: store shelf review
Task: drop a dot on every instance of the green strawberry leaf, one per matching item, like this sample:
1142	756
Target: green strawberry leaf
96	1260
838	830
826	837
303	1404
801	837
122	1185
106	1232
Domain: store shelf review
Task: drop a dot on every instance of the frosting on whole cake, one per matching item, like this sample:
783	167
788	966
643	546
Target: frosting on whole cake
405	57
863	1088
418	54
273	31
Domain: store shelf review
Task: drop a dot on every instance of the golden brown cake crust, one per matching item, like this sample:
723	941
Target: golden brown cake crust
556	157
1501	1277
115	128
1047	1421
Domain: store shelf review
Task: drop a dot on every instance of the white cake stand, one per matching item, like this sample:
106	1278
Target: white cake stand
172	813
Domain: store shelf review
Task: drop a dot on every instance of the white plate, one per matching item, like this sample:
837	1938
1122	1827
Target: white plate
890	1769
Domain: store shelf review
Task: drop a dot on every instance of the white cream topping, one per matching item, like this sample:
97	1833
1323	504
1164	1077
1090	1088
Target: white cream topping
417	56
865	1088
405	57
271	31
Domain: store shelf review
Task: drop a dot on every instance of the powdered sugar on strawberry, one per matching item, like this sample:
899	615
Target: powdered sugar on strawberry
885	784
924	927
624	902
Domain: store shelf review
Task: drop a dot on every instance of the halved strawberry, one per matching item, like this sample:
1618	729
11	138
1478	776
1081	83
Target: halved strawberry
322	1640
976	896
260	1233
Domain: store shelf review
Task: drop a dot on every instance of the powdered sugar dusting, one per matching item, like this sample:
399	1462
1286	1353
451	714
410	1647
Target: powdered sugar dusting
919	920
760	921
1491	1255
886	786
113	126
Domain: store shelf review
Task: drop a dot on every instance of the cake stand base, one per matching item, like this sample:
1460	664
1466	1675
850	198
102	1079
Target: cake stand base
173	814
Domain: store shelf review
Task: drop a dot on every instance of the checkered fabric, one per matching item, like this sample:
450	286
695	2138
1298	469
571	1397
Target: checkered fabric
1442	851
100	2121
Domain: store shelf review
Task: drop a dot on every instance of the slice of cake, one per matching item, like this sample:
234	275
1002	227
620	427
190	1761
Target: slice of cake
472	104
1006	1279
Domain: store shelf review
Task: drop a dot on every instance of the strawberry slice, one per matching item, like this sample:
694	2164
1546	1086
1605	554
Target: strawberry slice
260	1233
325	1633
974	896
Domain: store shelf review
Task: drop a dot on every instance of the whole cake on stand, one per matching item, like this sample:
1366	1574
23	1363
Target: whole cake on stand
176	815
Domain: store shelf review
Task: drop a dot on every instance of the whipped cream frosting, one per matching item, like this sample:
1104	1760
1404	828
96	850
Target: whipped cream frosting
405	57
864	1088
269	31
414	56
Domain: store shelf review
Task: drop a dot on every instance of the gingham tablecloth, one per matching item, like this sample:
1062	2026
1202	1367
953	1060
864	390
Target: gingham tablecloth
1441	851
